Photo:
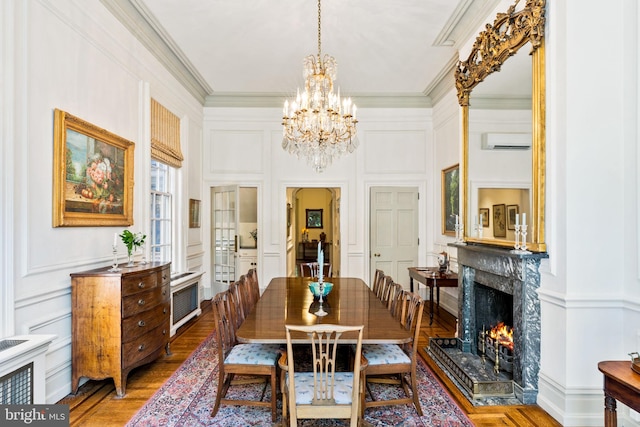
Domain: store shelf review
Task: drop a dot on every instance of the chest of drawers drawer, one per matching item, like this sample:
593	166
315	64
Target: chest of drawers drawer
143	301
141	323
144	345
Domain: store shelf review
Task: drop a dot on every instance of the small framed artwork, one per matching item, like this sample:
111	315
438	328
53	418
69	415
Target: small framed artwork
92	175
450	199
314	218
484	214
499	221
512	213
194	213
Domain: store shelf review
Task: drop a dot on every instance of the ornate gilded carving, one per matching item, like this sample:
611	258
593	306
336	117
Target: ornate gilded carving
509	32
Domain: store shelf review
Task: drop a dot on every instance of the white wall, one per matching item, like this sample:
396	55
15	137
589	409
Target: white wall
590	290
243	146
77	57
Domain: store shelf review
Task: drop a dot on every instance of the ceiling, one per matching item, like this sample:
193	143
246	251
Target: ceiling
250	52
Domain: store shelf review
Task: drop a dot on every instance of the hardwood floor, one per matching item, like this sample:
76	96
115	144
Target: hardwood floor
96	403
444	325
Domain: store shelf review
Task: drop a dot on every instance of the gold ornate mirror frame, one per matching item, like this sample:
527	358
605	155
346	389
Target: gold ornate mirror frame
493	46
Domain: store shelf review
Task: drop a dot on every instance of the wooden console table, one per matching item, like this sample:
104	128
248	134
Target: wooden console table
431	277
620	383
308	251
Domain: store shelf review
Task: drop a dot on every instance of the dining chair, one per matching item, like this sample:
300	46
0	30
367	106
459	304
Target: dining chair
378	280
391	364
321	393
241	360
236	305
252	278
397	302
311	269
246	295
387	288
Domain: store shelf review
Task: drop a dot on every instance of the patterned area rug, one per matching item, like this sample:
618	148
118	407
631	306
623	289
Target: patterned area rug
187	397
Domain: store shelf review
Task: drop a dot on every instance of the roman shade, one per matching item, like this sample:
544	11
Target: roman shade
165	136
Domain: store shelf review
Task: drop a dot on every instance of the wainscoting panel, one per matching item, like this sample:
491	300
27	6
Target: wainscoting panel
394	151
236	151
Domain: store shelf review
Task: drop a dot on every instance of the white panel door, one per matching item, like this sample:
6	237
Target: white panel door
394	232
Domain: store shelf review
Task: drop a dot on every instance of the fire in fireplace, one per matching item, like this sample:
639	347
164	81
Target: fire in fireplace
496	345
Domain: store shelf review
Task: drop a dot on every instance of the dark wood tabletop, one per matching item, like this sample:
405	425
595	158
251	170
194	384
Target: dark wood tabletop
287	300
621	383
432	277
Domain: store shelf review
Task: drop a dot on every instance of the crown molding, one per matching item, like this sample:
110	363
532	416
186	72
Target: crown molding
135	16
444	82
464	21
276	100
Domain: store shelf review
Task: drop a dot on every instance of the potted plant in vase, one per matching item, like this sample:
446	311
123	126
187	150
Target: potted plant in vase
132	241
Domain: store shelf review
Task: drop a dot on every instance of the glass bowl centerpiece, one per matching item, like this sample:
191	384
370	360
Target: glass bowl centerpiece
314	287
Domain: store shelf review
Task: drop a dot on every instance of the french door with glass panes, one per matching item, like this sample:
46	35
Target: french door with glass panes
224	237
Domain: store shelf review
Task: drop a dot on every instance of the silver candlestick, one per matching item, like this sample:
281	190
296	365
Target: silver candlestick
114	267
459	233
520	244
321	311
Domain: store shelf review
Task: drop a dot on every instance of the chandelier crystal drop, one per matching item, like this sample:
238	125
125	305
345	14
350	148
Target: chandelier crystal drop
318	124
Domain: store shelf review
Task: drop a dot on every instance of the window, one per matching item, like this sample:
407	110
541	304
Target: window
162	188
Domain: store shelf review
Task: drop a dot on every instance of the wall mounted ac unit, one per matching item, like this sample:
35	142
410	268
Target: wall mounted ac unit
506	141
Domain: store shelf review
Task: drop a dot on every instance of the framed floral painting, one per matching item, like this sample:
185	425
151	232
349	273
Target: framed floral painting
92	175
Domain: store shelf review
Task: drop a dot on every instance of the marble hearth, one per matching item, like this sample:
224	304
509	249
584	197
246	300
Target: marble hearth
486	275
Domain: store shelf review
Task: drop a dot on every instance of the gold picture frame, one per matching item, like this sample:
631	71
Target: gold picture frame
484	213
194	213
92	175
450	199
512	212
499	220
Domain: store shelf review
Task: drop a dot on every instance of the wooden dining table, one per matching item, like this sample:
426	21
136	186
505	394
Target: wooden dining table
288	300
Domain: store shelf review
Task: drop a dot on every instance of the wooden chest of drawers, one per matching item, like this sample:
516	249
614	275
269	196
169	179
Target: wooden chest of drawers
121	320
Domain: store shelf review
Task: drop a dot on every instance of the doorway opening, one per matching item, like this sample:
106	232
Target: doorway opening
313	217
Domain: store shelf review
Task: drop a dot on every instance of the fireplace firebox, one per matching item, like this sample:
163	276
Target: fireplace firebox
496	287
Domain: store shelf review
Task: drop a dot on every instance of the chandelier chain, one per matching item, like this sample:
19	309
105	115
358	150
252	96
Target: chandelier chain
319	33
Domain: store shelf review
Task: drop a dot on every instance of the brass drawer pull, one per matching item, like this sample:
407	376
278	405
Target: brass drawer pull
141	347
141	285
141	302
141	323
164	311
164	292
164	332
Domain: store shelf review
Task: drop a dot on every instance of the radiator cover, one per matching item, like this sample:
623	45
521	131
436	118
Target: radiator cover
16	388
185	299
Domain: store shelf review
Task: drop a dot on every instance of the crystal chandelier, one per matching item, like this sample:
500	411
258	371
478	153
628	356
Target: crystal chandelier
318	124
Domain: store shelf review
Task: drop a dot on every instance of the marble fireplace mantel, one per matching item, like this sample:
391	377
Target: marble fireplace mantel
514	274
